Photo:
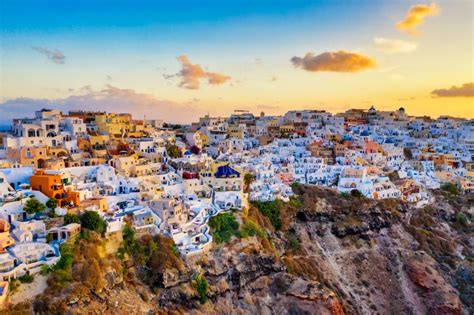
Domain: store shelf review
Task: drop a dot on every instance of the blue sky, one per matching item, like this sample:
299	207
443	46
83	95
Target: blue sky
134	45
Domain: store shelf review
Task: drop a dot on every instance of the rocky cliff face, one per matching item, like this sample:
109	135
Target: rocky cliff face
333	255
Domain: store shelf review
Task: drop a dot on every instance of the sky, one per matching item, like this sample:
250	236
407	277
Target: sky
177	60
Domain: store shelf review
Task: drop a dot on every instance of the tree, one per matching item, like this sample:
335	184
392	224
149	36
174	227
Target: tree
71	218
33	206
356	193
248	179
173	151
51	204
223	227
91	220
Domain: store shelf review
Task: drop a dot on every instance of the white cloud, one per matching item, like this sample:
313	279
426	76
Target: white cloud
393	46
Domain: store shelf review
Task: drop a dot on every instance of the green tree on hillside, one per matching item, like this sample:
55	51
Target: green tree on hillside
33	206
91	220
51	204
249	178
71	218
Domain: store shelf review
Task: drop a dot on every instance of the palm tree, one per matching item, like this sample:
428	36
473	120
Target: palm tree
248	179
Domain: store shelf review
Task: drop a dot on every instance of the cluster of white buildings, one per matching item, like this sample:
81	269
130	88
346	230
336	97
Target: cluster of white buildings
172	179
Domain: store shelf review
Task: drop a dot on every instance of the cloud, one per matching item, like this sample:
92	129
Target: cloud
406	99
274	79
466	90
393	46
339	61
110	98
54	55
191	74
416	16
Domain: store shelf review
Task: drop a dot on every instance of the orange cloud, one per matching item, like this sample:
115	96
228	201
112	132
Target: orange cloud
416	16
466	90
192	73
339	61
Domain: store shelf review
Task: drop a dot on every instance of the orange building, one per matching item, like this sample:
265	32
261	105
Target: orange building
52	185
372	147
29	156
5	238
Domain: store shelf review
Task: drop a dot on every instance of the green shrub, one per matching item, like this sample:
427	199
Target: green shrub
223	227
293	242
356	193
26	278
201	286
14	285
91	220
270	209
345	195
65	262
251	228
295	201
71	218
462	219
451	188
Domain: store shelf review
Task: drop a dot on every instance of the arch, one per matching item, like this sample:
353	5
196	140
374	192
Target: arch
31	133
40	163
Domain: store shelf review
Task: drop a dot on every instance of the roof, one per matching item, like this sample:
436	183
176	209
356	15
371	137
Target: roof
226	171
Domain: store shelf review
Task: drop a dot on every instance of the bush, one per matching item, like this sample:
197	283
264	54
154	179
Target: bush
295	201
152	256
356	193
91	220
293	242
462	219
71	218
14	285
270	209
201	286
251	228
129	245
223	227
451	188
345	195
26	278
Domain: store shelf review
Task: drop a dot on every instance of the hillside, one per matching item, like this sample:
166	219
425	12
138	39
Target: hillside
322	253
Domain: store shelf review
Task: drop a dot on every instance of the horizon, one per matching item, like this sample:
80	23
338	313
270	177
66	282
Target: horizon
9	122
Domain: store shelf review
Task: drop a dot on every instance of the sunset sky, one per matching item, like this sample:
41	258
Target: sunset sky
177	60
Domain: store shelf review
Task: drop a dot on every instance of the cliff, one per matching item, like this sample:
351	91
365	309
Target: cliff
329	254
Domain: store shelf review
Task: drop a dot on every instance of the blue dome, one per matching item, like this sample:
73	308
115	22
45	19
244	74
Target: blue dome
364	133
389	140
187	153
226	171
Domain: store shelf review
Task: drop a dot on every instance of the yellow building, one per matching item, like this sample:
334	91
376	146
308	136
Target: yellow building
235	131
113	124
